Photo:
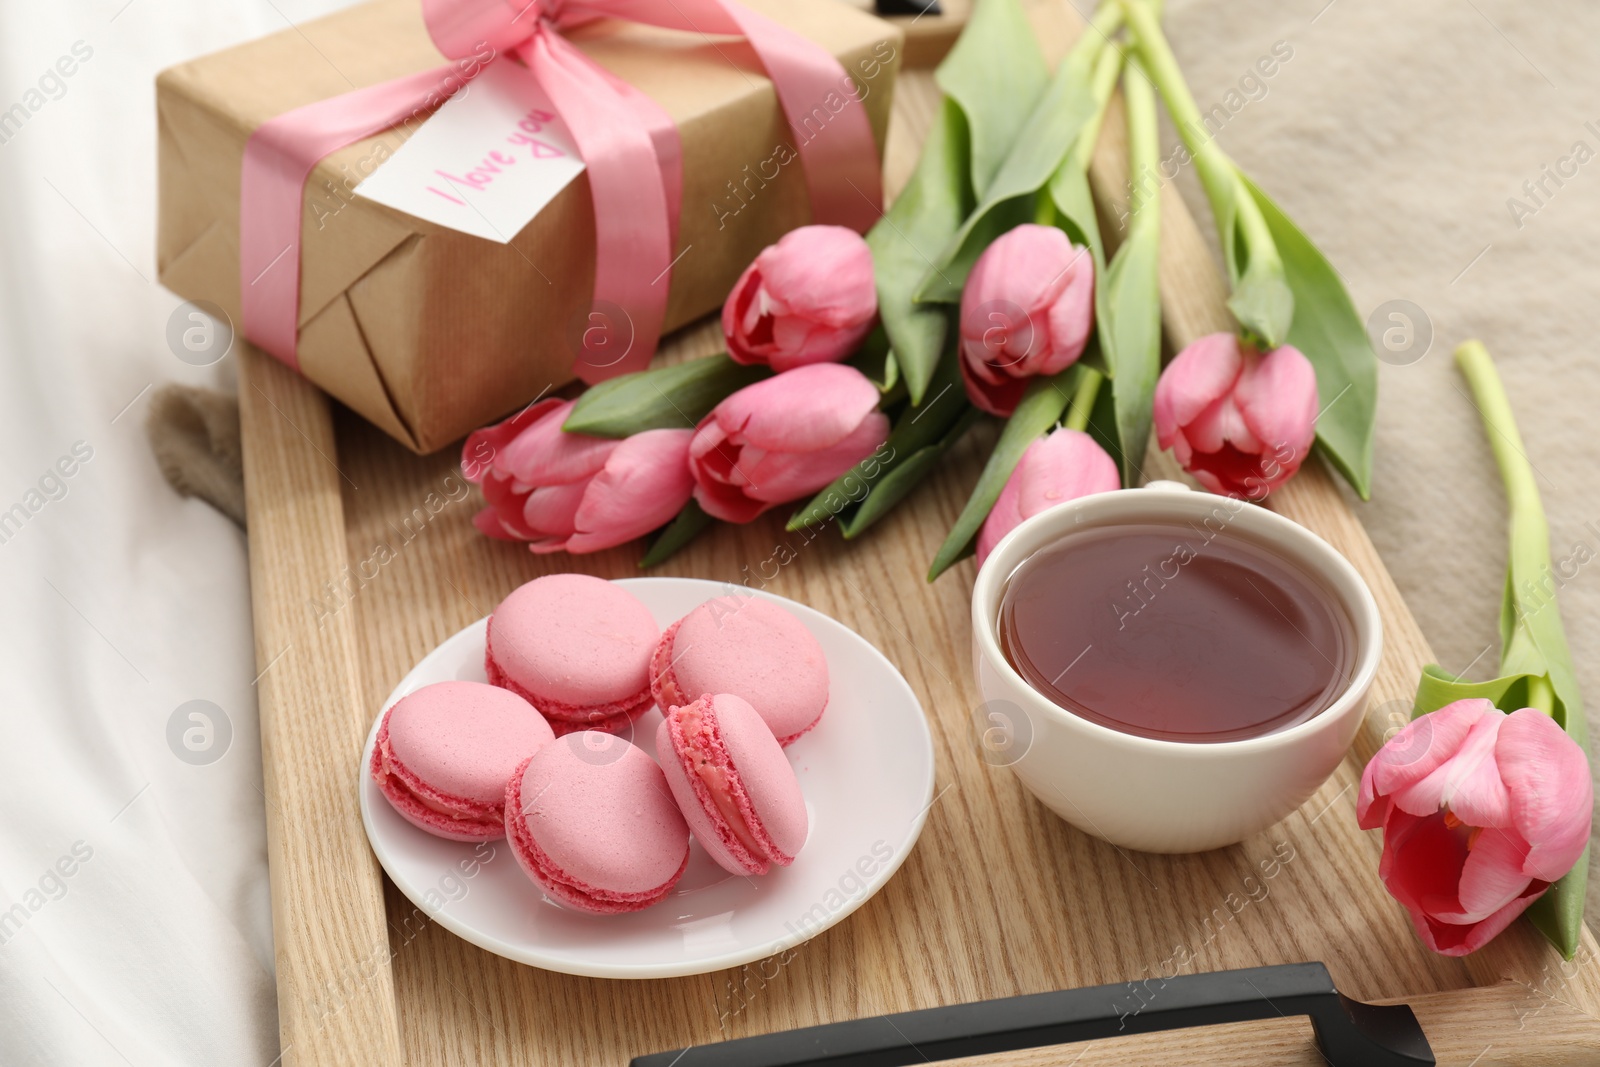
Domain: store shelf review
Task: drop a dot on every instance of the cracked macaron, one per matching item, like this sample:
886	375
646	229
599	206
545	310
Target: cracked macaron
576	647
733	783
445	752
592	821
752	648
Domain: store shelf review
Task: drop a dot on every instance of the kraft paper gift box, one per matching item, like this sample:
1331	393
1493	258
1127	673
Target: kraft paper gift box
430	333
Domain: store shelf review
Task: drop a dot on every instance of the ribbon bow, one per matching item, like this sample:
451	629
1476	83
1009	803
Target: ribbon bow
629	146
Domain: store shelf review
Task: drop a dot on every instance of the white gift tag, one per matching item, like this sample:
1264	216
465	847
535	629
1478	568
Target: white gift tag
486	162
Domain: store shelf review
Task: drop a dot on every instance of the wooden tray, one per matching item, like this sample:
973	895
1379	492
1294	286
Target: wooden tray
1000	897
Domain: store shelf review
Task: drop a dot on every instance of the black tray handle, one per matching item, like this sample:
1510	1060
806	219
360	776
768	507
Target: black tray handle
907	7
1349	1033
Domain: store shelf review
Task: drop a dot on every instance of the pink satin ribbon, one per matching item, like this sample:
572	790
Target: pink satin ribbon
629	145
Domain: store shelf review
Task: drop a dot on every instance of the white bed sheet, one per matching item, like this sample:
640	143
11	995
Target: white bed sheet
121	601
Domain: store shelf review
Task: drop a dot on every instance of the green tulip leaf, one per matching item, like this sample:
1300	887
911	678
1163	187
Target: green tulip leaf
674	535
1129	296
662	398
904	476
984	106
1067	105
876	360
1263	298
1040	409
1333	337
903	242
916	428
993	96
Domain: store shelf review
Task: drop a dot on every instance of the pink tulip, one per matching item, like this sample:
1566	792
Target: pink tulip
810	298
570	492
783	438
1025	311
1480	812
1241	422
1062	466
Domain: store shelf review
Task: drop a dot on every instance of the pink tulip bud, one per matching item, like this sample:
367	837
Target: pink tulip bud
784	438
1240	421
570	492
1480	812
1062	466
1026	311
810	298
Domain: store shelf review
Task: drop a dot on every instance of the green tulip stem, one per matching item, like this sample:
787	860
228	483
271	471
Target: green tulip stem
1107	20
1542	695
1083	399
1106	56
1107	68
1530	532
1044	209
1217	172
1144	144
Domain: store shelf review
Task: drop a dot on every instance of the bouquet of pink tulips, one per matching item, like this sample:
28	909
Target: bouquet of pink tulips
986	292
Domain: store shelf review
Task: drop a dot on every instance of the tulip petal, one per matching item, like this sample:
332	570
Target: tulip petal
1219	425
997	398
1006	515
1552	794
822	344
488	523
807	409
1277	397
1196	378
1063	466
1070	316
739	317
822	273
646	481
506	502
544	454
1422	861
709	438
1467	783
783	476
726	503
1449	939
1491	878
550	510
483	447
1417	751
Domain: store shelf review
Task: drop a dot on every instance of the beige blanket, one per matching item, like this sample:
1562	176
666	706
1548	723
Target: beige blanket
1446	153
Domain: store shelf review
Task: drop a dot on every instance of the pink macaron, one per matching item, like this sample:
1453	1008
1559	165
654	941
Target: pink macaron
592	821
733	783
445	752
577	648
752	648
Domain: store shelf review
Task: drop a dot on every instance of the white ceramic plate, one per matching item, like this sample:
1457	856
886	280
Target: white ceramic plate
866	770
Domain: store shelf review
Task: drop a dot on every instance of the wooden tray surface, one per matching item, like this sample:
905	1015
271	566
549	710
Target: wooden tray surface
999	897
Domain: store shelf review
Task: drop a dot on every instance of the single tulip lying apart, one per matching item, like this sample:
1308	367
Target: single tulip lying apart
1480	812
1239	420
783	438
1056	468
1026	311
807	299
569	492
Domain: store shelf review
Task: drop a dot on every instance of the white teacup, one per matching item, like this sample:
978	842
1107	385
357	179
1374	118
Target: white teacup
1149	794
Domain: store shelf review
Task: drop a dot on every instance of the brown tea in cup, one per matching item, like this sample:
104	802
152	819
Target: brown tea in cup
1175	631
